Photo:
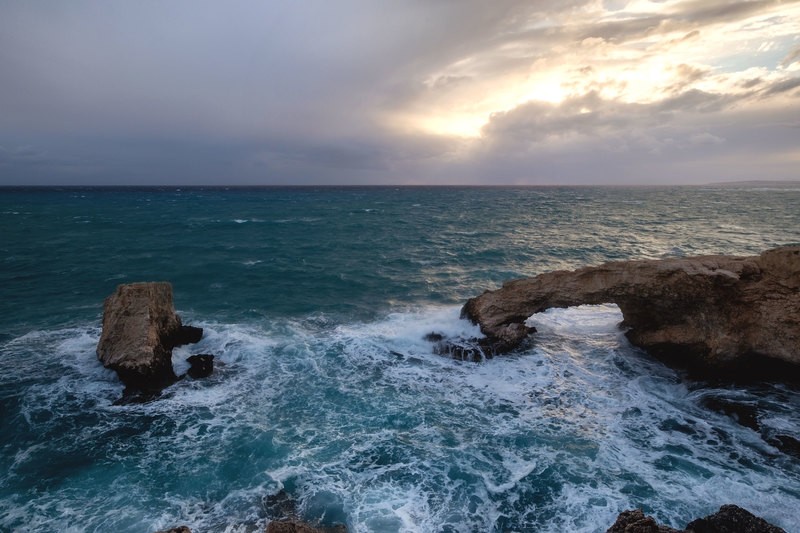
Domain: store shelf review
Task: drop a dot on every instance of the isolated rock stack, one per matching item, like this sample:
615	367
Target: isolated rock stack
140	329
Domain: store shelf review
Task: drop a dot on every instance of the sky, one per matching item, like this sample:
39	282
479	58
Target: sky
379	92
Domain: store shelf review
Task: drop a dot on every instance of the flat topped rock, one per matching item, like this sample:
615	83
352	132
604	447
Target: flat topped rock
711	312
140	328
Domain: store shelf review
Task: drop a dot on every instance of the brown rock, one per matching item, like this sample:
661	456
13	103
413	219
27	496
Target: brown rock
298	526
637	522
709	312
732	519
140	328
729	519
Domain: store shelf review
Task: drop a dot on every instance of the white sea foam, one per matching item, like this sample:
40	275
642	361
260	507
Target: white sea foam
363	423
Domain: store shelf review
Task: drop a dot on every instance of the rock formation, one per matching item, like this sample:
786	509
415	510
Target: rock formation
729	519
298	526
636	521
202	365
719	313
281	508
140	329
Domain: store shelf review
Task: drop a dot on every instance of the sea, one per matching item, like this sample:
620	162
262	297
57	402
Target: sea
326	401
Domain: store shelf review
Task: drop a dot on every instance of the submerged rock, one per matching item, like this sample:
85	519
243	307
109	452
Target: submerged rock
729	519
179	529
713	314
140	328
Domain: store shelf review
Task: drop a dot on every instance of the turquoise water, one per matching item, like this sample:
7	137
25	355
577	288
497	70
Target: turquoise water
316	302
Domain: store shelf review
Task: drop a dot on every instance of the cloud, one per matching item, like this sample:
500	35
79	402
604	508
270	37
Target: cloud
352	91
783	86
791	58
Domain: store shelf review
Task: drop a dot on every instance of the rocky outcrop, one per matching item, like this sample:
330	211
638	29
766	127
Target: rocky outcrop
281	508
729	519
298	526
708	313
140	329
636	521
732	519
202	365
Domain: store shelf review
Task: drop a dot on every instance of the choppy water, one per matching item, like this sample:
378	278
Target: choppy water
316	301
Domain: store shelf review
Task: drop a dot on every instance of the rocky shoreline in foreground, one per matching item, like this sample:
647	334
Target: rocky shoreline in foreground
720	316
729	519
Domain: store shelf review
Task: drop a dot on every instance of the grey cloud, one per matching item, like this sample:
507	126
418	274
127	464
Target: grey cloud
791	57
686	75
783	86
241	68
21	155
592	116
293	92
707	11
751	83
688	149
686	16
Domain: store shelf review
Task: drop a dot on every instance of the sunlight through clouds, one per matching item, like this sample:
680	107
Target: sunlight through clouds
639	52
468	91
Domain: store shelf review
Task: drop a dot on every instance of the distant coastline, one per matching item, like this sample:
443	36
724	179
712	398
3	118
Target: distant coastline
773	184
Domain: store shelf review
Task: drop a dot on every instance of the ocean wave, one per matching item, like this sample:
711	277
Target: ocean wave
362	423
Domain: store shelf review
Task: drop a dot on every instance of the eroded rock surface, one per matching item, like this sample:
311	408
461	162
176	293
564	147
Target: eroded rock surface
636	521
709	312
140	328
202	365
298	526
729	519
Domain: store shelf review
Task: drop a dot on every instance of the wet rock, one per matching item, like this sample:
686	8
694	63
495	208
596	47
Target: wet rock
140	328
179	529
729	519
282	508
187	335
732	519
744	414
298	526
475	349
786	443
716	315
280	505
433	337
201	365
462	349
637	522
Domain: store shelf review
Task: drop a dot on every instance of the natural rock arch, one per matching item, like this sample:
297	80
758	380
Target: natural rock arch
710	312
